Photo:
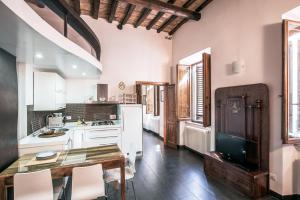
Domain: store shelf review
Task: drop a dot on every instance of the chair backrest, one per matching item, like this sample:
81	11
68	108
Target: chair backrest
132	157
33	185
87	182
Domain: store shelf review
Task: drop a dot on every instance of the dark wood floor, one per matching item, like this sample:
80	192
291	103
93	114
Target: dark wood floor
167	174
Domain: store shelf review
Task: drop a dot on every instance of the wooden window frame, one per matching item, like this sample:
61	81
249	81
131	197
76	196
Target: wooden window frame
285	86
207	89
206	61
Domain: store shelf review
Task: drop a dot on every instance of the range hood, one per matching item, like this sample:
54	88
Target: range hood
102	95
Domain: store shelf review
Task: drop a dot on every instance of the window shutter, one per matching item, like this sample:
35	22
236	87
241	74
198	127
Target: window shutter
200	91
207	90
183	87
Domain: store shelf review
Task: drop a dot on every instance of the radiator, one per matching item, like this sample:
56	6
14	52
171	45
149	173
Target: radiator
197	139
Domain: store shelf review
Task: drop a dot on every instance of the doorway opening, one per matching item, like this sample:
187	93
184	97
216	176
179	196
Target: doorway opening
152	95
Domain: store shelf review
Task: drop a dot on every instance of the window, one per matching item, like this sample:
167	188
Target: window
193	91
197	92
291	82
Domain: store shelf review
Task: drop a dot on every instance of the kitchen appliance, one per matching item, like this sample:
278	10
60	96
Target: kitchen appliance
56	121
100	123
99	133
132	127
102	92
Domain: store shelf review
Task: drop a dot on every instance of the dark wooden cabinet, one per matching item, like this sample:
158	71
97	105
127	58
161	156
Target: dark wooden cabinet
254	184
242	112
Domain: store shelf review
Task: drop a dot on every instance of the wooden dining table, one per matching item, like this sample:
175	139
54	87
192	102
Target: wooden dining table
109	156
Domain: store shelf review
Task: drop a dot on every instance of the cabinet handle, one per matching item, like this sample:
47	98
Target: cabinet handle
93	130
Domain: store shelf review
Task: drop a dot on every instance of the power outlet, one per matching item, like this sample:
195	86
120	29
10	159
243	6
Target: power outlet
68	117
112	117
273	177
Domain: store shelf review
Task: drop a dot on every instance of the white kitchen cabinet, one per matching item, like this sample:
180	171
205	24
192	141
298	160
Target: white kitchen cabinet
131	127
77	138
101	136
60	92
49	91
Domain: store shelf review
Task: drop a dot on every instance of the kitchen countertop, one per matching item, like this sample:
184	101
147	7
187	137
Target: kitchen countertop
34	141
75	126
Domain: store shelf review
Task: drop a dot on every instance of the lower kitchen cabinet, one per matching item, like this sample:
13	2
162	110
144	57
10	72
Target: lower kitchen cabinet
101	136
77	139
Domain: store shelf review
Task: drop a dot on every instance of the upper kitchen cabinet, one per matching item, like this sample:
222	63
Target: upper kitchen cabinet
49	91
50	36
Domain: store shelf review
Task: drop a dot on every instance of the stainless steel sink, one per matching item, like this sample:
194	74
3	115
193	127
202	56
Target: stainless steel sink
52	133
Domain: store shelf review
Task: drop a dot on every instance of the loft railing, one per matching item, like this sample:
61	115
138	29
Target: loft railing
68	23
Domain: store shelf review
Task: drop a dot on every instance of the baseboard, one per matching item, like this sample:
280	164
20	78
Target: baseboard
154	133
285	197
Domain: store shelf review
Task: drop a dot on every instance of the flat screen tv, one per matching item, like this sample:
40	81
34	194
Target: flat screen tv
237	150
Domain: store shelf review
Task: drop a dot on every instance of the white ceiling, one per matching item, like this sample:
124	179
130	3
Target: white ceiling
21	40
293	14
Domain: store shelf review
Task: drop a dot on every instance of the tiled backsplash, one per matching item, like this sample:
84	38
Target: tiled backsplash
37	119
89	112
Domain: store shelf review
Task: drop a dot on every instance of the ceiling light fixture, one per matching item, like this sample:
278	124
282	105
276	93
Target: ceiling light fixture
83	74
39	55
74	66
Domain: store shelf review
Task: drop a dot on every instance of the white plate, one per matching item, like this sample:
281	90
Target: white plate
45	155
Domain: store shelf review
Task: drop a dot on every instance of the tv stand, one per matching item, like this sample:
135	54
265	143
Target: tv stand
252	183
241	112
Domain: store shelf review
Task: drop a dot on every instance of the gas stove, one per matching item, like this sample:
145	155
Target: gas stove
103	123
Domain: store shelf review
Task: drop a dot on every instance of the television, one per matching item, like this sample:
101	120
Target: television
237	150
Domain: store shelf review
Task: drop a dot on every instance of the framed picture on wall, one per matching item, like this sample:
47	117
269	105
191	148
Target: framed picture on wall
162	96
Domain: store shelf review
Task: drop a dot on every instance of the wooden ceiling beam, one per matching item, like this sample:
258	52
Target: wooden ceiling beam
166	23
185	20
95	6
37	3
129	10
112	11
203	5
173	17
188	3
154	20
142	17
77	6
157	17
165	7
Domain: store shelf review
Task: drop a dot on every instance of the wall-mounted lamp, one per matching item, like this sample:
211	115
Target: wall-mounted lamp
238	66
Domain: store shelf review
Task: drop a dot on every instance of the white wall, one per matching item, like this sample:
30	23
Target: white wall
25	96
127	55
248	30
